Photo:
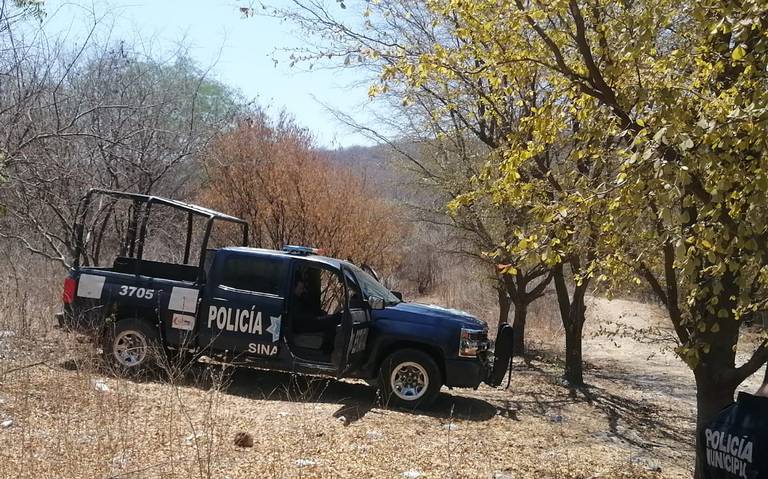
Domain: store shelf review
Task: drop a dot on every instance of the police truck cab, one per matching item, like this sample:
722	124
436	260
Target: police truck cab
292	310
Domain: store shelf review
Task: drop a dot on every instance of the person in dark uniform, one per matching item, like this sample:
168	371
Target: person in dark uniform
735	443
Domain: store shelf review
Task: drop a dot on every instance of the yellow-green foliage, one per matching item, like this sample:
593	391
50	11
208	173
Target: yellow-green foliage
656	114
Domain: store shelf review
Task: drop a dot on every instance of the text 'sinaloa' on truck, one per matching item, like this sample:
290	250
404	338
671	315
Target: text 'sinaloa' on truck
291	310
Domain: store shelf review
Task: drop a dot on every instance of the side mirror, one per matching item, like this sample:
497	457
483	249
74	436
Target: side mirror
398	295
375	302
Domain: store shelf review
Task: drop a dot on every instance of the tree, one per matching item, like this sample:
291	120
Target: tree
99	116
269	172
13	12
444	134
672	94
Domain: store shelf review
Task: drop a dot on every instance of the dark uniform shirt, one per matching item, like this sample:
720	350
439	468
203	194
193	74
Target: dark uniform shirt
735	443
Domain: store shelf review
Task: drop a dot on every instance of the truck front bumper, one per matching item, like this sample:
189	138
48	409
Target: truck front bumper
465	373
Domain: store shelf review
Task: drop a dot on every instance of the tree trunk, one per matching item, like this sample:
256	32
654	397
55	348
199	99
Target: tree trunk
574	371
711	397
518	326
572	314
716	380
504	306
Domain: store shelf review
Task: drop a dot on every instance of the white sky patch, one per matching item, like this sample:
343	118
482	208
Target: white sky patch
240	52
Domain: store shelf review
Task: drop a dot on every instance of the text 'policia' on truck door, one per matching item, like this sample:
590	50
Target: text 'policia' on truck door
243	308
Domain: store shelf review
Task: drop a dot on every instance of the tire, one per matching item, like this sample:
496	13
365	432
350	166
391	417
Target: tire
132	346
409	379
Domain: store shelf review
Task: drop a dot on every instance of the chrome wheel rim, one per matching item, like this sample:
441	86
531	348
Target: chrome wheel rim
409	381
130	348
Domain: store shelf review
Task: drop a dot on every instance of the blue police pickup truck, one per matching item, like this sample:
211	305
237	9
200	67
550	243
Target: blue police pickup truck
292	310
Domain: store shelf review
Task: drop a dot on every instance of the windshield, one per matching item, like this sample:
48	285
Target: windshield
371	287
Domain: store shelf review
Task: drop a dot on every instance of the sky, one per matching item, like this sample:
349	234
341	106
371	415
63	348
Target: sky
240	52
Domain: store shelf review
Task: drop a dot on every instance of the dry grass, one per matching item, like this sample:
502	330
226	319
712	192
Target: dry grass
78	422
71	418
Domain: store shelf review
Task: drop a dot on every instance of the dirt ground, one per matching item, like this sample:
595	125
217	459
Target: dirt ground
69	419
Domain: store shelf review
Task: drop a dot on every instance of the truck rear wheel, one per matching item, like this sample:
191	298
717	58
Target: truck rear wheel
409	378
132	346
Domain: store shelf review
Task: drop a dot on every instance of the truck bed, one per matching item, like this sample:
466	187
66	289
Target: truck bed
160	293
155	269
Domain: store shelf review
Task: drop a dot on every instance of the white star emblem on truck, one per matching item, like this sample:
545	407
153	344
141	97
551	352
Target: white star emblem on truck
274	327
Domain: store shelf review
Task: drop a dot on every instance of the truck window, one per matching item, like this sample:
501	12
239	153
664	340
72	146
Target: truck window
371	287
252	273
355	295
317	291
331	292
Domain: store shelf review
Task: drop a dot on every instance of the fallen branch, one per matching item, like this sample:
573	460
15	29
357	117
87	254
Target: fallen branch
26	366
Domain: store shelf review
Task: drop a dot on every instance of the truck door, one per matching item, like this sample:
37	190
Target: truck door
355	327
244	305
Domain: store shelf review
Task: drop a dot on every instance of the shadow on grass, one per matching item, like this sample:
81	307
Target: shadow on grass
628	419
637	416
354	398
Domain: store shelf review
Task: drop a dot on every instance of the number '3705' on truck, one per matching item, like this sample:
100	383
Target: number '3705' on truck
291	310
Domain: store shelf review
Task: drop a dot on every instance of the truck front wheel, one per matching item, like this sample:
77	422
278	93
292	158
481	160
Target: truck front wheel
131	345
409	378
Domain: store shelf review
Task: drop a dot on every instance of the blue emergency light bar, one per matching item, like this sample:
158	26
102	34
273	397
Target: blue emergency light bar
300	250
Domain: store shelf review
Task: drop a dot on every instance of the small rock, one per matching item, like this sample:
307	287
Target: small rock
305	462
7	423
646	463
412	474
189	440
283	414
556	418
605	436
100	385
343	420
501	475
119	462
628	434
243	439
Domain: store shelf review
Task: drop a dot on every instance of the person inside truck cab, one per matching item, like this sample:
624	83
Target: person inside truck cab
316	305
306	301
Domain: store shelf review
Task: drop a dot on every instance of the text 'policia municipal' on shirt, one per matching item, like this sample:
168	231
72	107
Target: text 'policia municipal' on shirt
731	444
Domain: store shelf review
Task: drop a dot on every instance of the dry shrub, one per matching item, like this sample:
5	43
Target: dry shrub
30	291
268	172
466	285
463	284
544	327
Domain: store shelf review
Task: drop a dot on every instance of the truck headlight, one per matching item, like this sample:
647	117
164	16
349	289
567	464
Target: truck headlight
472	341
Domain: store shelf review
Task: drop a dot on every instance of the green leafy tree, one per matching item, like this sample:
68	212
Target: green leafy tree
536	179
669	97
451	130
